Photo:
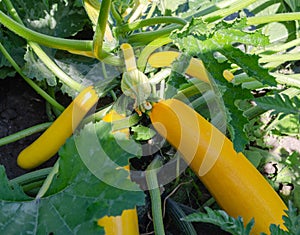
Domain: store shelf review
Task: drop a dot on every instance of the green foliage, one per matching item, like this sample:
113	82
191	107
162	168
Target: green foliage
74	191
223	220
88	71
292	220
280	104
35	68
205	41
142	133
15	45
62	18
236	226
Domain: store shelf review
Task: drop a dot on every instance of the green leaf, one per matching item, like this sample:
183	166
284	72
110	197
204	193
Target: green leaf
223	220
62	18
200	38
280	104
76	197
288	125
294	5
296	196
204	41
35	68
292	220
15	46
254	157
142	133
97	146
87	71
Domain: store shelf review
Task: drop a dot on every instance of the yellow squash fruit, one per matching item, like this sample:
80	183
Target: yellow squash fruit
195	69
47	145
233	181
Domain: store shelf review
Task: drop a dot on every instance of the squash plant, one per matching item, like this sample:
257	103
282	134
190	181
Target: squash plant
213	56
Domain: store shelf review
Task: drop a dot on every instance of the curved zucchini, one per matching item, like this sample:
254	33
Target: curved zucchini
234	182
56	135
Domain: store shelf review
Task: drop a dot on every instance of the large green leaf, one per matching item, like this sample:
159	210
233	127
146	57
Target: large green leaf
15	46
35	68
61	18
76	197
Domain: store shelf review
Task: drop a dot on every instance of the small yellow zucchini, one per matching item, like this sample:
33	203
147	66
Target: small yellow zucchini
195	69
233	181
125	224
56	135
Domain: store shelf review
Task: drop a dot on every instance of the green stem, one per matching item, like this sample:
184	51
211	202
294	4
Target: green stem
24	133
278	48
290	80
234	7
126	122
152	9
113	95
159	76
40	91
31	177
116	14
253	85
279	17
100	30
204	99
212	13
48	181
151	178
256	110
279	58
99	115
32	188
209	202
146	37
245	80
49	41
177	214
57	71
197	88
225	3
152	21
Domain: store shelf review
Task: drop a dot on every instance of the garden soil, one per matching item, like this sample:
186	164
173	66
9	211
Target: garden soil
20	107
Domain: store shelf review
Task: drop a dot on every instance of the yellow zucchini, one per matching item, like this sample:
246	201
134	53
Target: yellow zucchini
125	224
195	69
234	182
56	135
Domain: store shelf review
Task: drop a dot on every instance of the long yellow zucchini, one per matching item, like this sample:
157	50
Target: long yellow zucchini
234	182
56	135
